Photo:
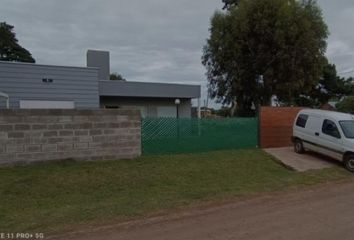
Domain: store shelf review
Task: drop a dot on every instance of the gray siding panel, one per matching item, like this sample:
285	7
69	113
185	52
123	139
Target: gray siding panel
70	86
24	82
48	92
49	72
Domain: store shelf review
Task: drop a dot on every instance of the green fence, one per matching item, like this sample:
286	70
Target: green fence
170	135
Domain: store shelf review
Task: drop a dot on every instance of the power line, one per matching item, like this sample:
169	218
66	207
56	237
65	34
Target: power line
346	72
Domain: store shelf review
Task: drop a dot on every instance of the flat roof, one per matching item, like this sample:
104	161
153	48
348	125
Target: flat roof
44	65
111	88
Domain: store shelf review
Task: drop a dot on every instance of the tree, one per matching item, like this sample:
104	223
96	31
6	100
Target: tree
347	105
230	3
330	86
224	112
10	50
117	76
350	80
281	42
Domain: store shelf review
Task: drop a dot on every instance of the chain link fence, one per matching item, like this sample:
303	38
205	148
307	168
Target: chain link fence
170	135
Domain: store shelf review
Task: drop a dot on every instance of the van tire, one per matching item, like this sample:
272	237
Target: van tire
349	162
298	146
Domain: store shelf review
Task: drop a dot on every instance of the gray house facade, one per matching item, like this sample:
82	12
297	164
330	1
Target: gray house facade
34	86
152	99
41	86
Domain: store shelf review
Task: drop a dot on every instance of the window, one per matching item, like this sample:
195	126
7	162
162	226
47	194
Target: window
348	128
330	128
302	120
41	104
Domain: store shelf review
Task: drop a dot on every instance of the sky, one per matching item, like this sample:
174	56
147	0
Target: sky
149	40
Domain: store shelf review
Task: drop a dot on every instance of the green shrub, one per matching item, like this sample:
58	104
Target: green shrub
347	105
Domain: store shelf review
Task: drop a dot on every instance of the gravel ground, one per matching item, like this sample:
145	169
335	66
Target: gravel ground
322	212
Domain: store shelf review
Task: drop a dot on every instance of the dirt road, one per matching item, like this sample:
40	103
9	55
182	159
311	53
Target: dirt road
325	212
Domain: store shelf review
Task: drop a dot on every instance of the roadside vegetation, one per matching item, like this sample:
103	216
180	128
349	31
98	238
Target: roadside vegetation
346	105
54	197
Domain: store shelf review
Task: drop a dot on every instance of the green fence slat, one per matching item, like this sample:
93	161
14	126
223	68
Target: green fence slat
171	135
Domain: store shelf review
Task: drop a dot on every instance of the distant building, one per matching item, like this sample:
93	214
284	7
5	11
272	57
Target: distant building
43	86
330	106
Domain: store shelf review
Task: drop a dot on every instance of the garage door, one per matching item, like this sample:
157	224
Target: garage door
34	104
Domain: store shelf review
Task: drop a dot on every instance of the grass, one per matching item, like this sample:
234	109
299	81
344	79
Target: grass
57	196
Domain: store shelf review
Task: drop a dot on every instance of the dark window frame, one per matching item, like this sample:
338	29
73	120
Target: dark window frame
111	107
329	133
302	120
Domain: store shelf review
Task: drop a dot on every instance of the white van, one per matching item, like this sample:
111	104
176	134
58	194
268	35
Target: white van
325	132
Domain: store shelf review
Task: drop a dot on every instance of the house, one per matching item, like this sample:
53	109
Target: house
206	112
330	106
42	86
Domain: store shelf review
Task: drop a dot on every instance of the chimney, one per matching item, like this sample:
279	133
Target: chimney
100	60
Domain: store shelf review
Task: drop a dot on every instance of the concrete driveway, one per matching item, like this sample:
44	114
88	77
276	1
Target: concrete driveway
301	162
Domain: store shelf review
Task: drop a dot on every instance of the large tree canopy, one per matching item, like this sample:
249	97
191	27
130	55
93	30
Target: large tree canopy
10	50
281	42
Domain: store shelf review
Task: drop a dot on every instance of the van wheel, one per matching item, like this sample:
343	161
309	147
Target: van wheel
349	162
298	146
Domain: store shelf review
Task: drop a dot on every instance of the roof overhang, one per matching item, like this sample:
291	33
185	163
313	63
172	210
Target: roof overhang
144	89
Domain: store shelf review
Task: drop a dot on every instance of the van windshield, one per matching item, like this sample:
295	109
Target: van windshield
348	128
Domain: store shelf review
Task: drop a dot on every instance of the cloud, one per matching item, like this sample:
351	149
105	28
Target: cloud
339	16
150	40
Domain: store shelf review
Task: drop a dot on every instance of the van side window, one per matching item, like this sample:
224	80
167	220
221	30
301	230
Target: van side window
302	120
330	128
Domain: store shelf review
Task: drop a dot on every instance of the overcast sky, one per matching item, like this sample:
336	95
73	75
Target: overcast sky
149	40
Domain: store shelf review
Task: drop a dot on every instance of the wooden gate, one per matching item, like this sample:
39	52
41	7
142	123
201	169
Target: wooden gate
276	126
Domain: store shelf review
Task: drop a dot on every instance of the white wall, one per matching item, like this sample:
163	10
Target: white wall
151	107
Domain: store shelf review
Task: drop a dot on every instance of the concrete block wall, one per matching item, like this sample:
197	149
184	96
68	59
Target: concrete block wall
43	135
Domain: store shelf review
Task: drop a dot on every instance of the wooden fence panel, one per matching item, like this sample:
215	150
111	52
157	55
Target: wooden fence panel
275	126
